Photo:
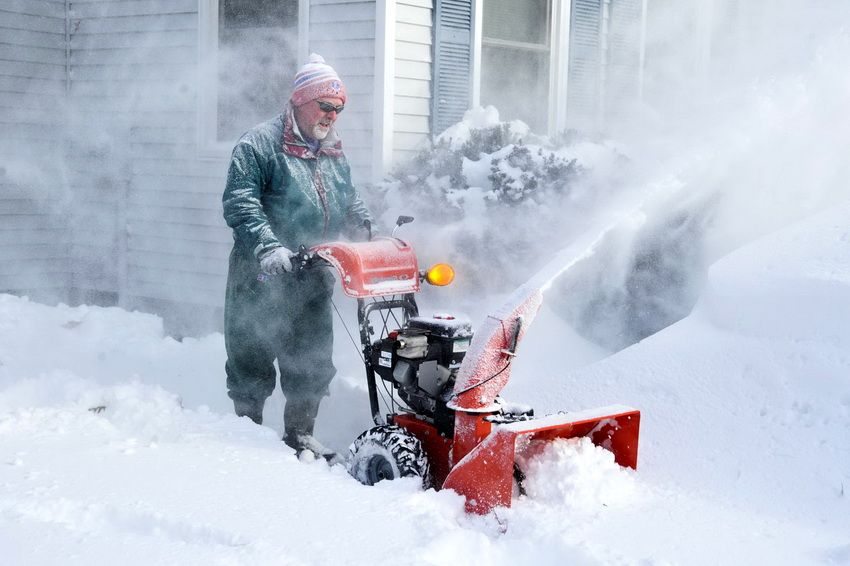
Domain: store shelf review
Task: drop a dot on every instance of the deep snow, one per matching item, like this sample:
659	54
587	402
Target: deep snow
744	458
117	444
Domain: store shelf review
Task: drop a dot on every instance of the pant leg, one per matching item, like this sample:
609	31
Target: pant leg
306	355
250	331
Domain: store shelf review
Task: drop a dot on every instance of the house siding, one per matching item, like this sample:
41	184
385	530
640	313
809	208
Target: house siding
132	213
107	189
412	78
343	32
150	208
33	233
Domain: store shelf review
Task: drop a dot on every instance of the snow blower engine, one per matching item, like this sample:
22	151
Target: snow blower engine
445	422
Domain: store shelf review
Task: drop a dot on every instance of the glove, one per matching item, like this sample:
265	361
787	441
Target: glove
276	261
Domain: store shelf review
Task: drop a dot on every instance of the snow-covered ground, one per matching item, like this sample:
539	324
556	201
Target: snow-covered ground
744	454
118	444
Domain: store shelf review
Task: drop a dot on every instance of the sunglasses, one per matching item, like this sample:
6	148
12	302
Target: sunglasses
327	107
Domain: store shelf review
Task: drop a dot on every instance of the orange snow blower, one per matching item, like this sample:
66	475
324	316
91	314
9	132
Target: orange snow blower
446	422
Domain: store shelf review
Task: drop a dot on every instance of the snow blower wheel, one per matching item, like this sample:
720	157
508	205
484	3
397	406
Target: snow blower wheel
386	453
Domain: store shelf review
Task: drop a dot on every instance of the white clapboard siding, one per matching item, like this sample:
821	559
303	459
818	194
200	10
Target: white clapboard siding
45	8
134	69
412	78
343	32
111	105
33	233
82	9
31	23
128	40
157	243
13	86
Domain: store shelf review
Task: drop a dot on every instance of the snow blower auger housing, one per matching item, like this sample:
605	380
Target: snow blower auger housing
449	428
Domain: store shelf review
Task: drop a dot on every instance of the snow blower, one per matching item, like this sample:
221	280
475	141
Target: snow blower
446	423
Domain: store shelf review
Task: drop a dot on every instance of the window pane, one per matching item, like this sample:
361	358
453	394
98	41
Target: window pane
257	13
516	81
514	20
257	58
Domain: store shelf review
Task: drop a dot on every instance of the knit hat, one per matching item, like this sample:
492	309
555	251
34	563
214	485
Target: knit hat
315	80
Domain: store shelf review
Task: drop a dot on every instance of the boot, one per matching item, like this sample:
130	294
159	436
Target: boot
251	408
299	418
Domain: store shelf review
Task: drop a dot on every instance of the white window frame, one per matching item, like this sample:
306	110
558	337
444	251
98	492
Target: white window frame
209	146
559	30
558	62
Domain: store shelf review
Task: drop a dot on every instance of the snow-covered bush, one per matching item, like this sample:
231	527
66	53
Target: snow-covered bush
492	195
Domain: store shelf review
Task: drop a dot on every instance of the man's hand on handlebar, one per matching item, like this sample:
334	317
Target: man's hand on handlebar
277	261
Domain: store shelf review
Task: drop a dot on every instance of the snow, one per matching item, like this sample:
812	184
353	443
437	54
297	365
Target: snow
479	117
743	459
579	476
118	443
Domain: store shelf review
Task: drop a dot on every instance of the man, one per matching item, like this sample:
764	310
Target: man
288	184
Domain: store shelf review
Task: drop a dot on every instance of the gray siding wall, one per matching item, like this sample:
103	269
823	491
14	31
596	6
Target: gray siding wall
412	87
147	207
104	191
33	232
343	32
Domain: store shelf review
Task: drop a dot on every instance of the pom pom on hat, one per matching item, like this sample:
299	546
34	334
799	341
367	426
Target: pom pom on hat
316	79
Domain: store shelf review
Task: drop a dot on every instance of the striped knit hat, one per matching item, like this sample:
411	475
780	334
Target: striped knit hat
315	80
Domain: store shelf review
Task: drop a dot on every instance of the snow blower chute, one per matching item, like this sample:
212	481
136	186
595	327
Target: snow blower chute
449	427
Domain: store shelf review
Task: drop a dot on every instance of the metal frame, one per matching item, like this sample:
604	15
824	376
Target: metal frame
407	304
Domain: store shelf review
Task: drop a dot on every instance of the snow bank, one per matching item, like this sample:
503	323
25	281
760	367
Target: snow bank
742	460
747	400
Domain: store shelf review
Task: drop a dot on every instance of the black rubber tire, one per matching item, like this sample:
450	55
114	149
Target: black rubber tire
385	453
518	481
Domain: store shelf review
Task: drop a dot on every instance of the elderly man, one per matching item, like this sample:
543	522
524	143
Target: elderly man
289	184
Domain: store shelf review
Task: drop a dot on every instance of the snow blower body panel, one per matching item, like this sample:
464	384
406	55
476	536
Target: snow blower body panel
380	267
486	474
451	381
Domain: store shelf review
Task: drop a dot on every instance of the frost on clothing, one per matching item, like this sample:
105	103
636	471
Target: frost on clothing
281	193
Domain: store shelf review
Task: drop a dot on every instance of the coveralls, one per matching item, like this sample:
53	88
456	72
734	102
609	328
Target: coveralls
280	192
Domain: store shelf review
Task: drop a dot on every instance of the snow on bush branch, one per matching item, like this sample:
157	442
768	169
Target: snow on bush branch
493	193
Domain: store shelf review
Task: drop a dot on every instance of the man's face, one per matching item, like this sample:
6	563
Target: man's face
314	122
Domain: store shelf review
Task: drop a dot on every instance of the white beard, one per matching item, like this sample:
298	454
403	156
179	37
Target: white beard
320	132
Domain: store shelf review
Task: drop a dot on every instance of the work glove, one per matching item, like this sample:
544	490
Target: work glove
276	261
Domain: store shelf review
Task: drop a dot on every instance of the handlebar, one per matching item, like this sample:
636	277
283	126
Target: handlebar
304	258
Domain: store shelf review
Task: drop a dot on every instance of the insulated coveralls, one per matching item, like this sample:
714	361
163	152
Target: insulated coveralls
279	192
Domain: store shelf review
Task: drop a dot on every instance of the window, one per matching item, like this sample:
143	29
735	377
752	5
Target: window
250	52
515	54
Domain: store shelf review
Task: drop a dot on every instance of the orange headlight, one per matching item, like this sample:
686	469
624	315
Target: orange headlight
440	274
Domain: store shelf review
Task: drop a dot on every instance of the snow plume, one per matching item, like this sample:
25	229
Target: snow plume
741	130
507	198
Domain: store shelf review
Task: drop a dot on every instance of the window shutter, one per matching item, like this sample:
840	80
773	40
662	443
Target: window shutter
584	64
622	83
452	90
